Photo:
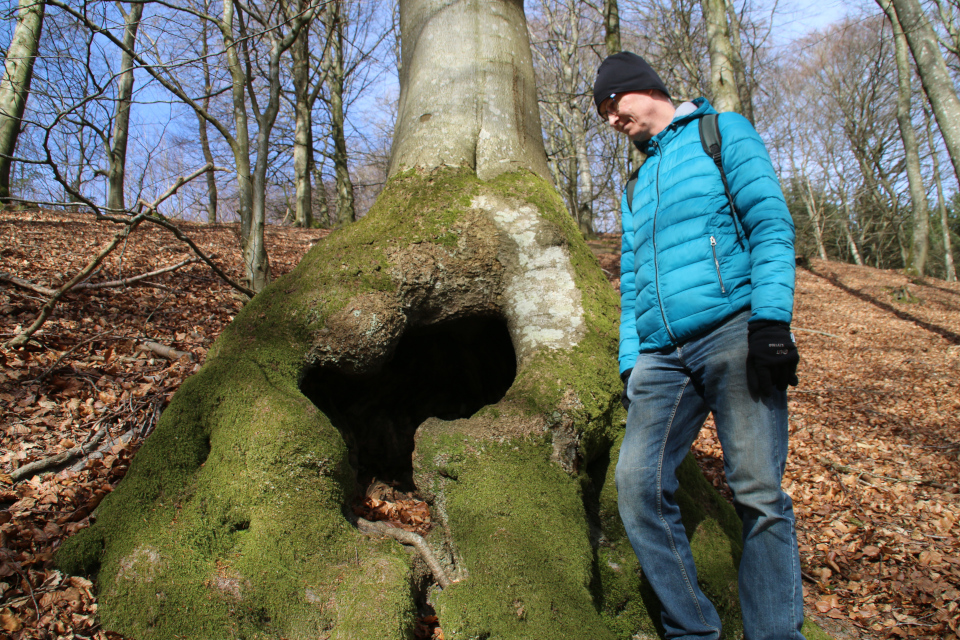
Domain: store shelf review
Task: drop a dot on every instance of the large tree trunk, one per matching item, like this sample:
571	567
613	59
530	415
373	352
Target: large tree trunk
460	338
917	253
121	119
15	86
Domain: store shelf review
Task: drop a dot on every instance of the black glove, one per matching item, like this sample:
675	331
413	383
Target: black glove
624	400
771	357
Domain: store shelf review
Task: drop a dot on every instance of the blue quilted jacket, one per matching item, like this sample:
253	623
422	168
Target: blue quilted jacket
683	269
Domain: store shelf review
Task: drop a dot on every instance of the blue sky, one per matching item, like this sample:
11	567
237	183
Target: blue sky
795	18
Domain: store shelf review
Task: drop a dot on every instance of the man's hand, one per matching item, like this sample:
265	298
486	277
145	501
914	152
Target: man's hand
771	357
624	400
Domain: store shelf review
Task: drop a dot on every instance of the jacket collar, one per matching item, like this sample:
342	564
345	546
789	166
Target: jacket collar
701	108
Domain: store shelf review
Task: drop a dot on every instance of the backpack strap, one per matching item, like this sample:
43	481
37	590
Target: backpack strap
712	143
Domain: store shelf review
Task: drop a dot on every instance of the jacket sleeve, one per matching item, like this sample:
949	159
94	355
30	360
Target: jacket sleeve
764	216
629	340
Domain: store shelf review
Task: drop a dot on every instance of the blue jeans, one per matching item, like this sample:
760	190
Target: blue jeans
671	392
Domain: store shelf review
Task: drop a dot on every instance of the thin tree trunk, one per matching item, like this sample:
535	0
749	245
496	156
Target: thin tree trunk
740	68
723	80
934	76
15	86
303	136
323	205
917	253
334	70
850	241
211	177
611	24
949	267
815	218
256	270
121	122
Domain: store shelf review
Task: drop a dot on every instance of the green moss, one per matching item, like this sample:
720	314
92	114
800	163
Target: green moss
524	541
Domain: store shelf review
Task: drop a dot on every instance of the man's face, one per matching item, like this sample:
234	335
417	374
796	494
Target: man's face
632	113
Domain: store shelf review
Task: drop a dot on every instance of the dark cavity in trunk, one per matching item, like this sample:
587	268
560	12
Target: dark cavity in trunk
448	371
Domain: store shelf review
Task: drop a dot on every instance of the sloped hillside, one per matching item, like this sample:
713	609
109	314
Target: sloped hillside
873	467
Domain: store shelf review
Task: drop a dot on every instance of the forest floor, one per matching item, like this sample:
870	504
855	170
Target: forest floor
874	462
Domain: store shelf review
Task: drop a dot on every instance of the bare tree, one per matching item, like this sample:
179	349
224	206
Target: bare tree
917	256
934	76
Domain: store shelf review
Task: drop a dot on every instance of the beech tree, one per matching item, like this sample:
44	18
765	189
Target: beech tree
459	339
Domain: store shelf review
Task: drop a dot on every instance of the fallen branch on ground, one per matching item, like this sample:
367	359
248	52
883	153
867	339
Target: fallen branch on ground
39	466
410	538
88	286
26	284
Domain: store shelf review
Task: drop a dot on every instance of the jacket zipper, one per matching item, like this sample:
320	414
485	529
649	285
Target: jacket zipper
713	246
656	259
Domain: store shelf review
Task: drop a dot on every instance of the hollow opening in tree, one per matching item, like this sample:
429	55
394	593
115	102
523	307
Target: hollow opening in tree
448	371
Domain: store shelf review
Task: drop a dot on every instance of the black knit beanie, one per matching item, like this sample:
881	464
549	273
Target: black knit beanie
624	72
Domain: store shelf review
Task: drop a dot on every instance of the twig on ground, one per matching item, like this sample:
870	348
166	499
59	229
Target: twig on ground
39	466
26	284
167	352
859	472
410	538
133	279
69	351
822	333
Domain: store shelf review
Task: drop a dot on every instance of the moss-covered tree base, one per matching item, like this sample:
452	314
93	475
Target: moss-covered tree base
234	518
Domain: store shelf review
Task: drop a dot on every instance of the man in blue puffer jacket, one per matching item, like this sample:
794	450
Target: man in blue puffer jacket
707	300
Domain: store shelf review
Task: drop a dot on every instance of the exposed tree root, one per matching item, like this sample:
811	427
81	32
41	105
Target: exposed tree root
410	538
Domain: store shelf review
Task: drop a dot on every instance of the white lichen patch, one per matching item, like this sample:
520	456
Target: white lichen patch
140	566
541	299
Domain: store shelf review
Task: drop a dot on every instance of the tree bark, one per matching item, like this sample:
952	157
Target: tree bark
15	86
467	99
121	118
303	136
336	78
460	338
723	78
934	76
212	193
611	26
948	265
917	254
